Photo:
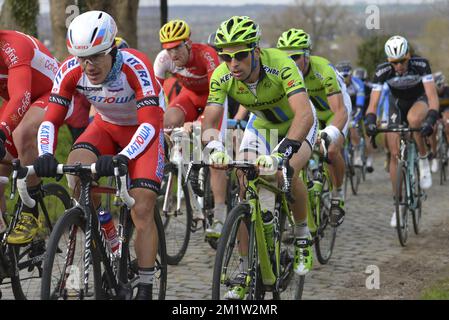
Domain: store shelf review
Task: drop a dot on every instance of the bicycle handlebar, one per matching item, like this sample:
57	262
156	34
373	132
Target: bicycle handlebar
391	129
284	166
20	175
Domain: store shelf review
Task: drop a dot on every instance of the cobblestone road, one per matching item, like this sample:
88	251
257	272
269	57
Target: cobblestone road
364	239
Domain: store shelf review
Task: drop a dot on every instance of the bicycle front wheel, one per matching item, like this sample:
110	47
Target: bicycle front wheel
417	205
401	204
228	265
64	269
177	223
26	260
326	234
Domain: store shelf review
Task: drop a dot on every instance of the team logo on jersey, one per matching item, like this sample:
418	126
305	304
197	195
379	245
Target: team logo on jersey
141	71
225	78
286	73
271	70
144	135
10	53
214	86
112	100
67	66
44	138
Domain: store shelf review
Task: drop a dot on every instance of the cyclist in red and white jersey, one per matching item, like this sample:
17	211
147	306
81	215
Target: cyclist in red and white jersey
27	70
120	84
192	64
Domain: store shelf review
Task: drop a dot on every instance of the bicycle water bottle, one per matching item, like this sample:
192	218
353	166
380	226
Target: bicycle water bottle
268	228
110	232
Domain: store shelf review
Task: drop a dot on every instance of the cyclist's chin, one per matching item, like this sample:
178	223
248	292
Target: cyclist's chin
96	78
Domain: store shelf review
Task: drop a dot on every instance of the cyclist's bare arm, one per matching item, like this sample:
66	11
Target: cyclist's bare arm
212	117
303	119
431	93
241	113
373	101
337	106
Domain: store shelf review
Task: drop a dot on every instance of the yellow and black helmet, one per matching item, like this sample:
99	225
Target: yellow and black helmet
173	33
120	43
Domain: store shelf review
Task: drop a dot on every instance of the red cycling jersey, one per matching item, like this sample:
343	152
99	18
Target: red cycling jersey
27	70
194	78
129	115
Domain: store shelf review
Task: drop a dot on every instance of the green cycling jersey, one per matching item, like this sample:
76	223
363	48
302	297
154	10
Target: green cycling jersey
278	80
321	81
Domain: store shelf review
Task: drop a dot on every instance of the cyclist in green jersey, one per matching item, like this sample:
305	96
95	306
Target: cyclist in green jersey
268	84
327	91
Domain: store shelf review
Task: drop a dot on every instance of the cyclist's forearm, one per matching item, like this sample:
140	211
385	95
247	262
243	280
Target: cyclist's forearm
374	100
210	123
302	121
337	106
241	113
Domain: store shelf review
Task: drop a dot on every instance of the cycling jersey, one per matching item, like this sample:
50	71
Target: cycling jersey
130	106
356	90
194	78
323	80
278	80
408	86
195	75
27	70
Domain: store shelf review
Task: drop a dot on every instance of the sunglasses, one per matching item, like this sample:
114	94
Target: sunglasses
402	61
95	59
239	55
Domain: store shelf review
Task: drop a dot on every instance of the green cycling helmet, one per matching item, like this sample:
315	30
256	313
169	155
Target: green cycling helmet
237	30
294	39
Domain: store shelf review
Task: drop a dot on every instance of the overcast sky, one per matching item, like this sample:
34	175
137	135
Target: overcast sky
45	3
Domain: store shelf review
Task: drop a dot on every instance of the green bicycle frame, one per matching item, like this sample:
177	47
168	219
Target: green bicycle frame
314	193
268	273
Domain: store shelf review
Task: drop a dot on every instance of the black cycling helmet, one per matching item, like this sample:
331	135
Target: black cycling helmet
344	67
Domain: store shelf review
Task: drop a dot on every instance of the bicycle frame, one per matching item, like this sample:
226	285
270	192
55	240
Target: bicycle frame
268	275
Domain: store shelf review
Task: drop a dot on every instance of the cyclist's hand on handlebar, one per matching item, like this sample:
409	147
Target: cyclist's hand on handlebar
104	166
219	158
46	165
429	122
371	126
269	163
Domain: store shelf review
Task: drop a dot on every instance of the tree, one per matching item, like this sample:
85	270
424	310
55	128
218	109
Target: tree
60	13
371	52
434	47
318	18
124	13
20	15
63	12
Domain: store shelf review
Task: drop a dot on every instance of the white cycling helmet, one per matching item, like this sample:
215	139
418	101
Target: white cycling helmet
396	47
90	33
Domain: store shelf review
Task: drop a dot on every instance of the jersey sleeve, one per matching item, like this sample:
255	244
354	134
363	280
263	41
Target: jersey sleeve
380	76
64	86
217	86
161	66
425	71
19	90
149	103
291	77
330	81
